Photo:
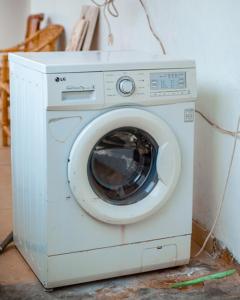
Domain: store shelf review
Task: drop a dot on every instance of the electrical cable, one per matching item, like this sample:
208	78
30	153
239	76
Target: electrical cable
110	7
151	28
226	182
222	130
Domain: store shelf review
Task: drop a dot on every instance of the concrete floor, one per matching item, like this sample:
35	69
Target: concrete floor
17	281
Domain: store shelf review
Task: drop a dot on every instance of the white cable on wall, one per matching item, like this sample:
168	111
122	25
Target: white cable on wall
236	135
219	128
110	7
156	36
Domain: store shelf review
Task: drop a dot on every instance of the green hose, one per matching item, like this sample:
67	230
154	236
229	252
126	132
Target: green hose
204	278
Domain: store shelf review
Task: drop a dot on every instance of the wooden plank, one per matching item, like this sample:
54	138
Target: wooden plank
90	14
83	36
78	36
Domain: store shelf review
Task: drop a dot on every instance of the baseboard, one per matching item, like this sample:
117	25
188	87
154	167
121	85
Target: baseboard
199	234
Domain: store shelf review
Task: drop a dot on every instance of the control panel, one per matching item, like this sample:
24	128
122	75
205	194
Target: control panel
150	86
92	90
125	84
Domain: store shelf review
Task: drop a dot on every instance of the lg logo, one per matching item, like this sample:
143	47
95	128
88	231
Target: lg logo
58	79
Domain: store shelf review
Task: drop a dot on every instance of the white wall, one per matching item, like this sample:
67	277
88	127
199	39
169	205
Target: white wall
209	32
63	12
13	20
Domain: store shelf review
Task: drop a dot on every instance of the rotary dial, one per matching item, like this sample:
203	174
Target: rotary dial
125	86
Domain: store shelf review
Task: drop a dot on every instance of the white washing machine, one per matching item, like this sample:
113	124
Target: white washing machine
102	161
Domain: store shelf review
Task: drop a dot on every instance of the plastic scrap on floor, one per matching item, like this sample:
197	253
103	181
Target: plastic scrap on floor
218	275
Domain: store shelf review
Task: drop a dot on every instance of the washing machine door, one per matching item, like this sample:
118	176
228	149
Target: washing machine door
124	165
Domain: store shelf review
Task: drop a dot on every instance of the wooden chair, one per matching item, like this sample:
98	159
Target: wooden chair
43	40
33	24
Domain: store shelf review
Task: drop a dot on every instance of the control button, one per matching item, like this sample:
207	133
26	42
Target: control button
125	86
154	94
189	115
154	84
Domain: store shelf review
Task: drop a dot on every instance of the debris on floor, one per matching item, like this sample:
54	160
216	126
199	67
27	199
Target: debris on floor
202	279
152	285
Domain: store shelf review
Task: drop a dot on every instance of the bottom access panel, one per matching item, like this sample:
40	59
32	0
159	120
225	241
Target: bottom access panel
78	267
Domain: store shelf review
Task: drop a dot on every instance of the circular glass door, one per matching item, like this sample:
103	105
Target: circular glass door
122	166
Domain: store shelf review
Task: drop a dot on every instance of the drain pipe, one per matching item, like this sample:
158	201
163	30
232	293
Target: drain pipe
6	241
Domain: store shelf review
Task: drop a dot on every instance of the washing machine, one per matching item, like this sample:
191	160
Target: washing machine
102	163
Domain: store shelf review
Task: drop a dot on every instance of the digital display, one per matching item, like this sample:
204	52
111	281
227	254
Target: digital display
168	81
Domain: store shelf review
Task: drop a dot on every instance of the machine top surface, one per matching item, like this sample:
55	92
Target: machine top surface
90	61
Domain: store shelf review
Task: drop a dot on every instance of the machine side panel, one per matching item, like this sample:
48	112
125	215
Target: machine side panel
28	139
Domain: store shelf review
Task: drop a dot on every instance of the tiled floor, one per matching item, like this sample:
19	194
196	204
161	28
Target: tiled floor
13	268
18	282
